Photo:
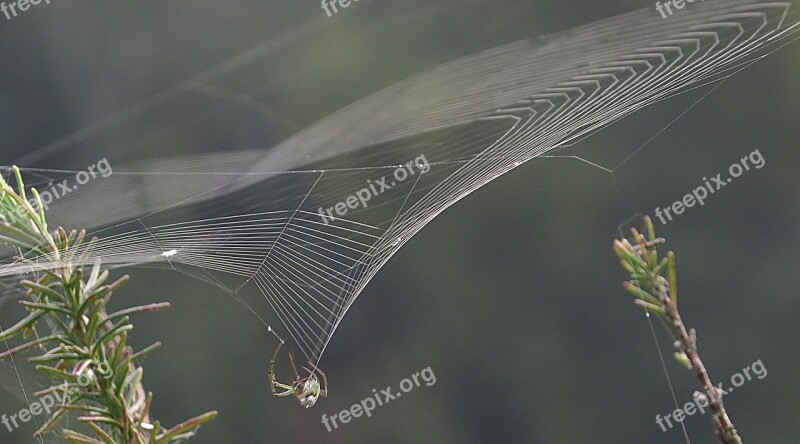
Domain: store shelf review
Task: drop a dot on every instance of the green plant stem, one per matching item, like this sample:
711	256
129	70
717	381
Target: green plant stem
722	424
659	296
102	379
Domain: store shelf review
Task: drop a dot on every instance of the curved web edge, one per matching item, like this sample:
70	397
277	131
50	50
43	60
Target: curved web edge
310	268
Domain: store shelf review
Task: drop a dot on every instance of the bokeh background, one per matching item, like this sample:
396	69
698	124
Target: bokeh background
512	296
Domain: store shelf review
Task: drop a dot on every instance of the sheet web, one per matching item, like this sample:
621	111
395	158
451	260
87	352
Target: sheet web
258	224
271	223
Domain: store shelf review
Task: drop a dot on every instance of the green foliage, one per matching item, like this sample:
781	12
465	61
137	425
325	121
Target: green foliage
639	257
102	381
658	295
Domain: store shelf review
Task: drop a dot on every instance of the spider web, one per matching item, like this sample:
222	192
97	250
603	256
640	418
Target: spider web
249	221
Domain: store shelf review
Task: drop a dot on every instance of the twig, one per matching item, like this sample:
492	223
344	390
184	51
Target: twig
659	295
102	379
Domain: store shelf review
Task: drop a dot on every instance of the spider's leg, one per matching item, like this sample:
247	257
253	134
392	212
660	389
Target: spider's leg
275	355
272	382
324	390
294	367
289	391
275	385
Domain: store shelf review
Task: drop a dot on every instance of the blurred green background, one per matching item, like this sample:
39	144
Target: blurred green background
512	296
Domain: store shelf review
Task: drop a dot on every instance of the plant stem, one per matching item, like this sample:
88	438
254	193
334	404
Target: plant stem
687	343
659	295
102	379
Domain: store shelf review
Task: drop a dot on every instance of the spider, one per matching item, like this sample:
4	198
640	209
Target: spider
307	390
